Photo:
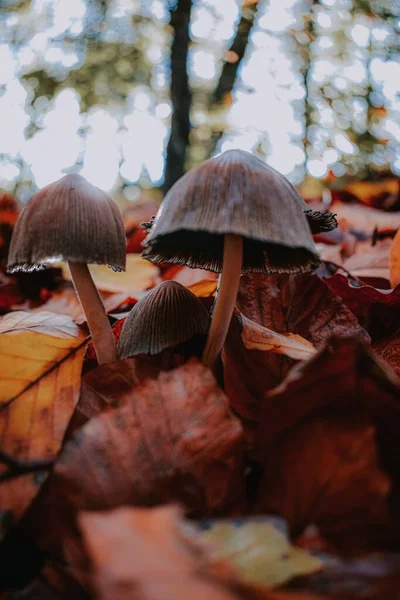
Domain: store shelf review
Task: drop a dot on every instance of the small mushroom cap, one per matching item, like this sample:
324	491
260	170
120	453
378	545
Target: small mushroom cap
70	220
167	316
235	193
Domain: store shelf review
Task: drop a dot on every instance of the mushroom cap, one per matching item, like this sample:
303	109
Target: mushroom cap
235	193
167	316
70	220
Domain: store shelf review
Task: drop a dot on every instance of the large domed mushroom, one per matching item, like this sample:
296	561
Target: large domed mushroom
234	214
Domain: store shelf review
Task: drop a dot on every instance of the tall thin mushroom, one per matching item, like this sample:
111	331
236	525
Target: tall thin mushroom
235	214
74	221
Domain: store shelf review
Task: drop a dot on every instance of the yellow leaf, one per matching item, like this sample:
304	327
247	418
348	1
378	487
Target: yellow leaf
140	275
204	288
394	261
257	337
41	358
260	553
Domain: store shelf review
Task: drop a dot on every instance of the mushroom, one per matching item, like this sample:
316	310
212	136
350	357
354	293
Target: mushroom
168	316
74	221
234	214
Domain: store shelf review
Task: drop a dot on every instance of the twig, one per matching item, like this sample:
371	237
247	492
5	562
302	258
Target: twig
16	467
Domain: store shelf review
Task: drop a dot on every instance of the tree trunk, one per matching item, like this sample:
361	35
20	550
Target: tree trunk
181	96
238	48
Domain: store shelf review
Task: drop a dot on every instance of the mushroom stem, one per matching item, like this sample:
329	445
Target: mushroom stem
225	302
96	316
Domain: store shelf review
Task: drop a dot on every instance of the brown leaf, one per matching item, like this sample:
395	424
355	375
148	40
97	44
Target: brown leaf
370	262
369	577
64	301
167	565
326	471
287	304
343	383
109	384
40	368
170	437
364	218
389	350
394	261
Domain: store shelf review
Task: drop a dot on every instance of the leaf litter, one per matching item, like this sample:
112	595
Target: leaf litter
301	420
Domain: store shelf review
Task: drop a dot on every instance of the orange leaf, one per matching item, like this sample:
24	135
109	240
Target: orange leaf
140	275
40	368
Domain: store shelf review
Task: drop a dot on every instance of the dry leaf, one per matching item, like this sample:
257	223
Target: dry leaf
345	381
140	275
259	551
64	301
287	304
257	337
394	261
370	261
40	368
365	218
383	194
389	350
169	438
378	310
143	554
326	471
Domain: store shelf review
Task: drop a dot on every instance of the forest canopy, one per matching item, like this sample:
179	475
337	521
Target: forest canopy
94	86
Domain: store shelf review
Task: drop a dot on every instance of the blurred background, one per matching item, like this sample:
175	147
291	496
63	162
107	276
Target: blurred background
131	93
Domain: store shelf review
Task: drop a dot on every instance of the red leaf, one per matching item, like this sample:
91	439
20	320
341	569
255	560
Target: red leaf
301	305
377	310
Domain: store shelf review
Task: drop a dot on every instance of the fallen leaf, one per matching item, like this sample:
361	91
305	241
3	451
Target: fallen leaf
369	577
257	337
364	218
172	437
40	368
286	304
139	275
187	276
383	194
167	563
204	288
394	261
371	262
10	295
109	384
170	562
376	309
64	301
389	350
326	471
344	381
258	550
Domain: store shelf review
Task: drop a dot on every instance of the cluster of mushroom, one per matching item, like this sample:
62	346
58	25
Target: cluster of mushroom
233	214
